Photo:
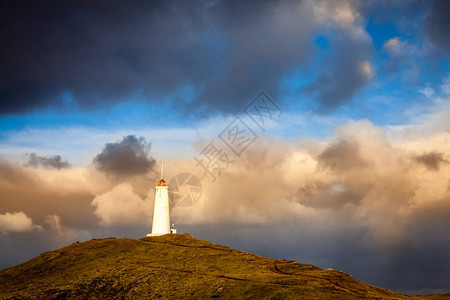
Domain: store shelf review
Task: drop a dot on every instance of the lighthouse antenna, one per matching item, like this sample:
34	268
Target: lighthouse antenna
162	168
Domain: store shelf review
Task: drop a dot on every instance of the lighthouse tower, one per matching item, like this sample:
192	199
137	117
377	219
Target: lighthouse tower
161	219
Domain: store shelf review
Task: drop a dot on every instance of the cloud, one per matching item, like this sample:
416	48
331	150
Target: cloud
122	205
403	59
17	222
263	40
125	158
343	71
344	78
445	86
224	51
437	24
359	176
366	68
396	47
429	125
95	57
344	14
358	188
54	162
341	156
54	223
431	160
392	43
40	192
427	91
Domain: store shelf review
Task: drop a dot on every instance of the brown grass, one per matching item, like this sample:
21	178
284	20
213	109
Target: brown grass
174	266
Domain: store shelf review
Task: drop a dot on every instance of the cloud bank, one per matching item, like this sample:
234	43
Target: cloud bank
359	175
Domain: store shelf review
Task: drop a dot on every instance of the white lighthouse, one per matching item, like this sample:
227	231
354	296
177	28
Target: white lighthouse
161	218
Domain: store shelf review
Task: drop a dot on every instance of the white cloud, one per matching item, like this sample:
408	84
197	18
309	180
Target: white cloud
401	52
54	223
432	120
396	46
345	14
392	43
445	87
365	68
427	91
17	222
122	205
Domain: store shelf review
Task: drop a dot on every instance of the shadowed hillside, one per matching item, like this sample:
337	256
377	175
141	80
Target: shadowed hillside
174	266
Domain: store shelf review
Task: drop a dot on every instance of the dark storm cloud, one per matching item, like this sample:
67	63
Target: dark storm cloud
265	39
343	72
437	24
431	160
102	50
106	51
425	253
127	157
51	162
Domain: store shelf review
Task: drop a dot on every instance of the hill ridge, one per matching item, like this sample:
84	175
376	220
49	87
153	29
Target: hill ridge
174	266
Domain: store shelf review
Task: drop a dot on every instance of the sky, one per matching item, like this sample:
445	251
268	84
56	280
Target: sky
318	130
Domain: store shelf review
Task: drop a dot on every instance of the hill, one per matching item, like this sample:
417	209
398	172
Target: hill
174	266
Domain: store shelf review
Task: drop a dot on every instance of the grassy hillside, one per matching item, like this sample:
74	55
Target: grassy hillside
174	266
